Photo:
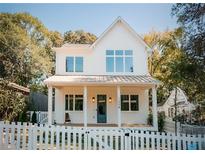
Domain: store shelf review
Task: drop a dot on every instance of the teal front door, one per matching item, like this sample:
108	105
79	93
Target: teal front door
101	109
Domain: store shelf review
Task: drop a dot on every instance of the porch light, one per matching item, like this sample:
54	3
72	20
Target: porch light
110	100
93	99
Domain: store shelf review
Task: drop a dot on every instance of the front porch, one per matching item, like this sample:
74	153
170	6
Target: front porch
103	103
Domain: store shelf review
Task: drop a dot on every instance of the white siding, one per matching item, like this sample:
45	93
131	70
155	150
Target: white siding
139	117
94	59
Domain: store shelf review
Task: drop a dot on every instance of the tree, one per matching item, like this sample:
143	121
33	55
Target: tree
56	39
166	50
79	37
12	103
23	49
192	65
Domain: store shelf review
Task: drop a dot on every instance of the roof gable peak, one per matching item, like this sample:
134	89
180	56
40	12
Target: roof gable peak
126	25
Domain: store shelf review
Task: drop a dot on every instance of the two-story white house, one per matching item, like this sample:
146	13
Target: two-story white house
105	83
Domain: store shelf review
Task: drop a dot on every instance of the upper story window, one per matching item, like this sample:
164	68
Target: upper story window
119	61
74	64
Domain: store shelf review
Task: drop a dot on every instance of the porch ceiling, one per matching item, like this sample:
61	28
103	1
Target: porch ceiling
102	80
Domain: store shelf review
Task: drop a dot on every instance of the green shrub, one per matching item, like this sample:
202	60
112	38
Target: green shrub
161	121
23	117
150	119
34	118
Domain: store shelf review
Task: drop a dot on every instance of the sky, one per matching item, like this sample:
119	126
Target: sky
95	18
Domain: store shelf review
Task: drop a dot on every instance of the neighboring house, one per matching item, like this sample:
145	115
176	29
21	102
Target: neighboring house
19	88
182	103
104	83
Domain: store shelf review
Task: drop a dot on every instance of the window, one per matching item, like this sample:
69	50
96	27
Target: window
125	102
53	99
110	64
110	52
69	64
78	102
66	102
74	64
73	102
134	103
79	64
119	61
128	64
129	103
119	64
69	102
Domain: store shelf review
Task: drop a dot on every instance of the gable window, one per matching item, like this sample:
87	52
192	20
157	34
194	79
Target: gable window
129	103
73	102
74	64
119	61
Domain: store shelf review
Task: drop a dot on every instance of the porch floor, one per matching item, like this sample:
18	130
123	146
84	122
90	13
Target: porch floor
104	125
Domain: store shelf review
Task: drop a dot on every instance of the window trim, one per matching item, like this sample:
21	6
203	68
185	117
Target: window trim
129	96
74	64
73	94
115	56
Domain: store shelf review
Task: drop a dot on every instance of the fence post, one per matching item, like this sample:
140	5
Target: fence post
12	132
6	133
127	135
200	141
30	136
1	133
18	135
178	127
34	142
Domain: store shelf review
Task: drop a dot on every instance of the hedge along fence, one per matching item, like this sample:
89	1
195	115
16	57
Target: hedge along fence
28	136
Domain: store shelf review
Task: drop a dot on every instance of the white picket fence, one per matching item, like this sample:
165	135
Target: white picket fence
28	136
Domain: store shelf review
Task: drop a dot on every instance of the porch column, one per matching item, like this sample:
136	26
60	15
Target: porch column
49	105
118	106
85	105
154	108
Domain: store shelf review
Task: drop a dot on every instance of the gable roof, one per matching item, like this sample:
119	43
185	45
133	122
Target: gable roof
119	19
181	98
127	26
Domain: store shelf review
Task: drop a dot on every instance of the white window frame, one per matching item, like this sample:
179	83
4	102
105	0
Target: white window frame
73	103
74	59
123	56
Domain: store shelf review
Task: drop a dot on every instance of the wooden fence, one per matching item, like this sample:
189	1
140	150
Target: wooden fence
28	136
192	129
41	116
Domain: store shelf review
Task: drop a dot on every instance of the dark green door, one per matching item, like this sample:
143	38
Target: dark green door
101	108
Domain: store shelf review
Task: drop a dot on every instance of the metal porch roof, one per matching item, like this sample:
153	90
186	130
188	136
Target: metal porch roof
101	79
